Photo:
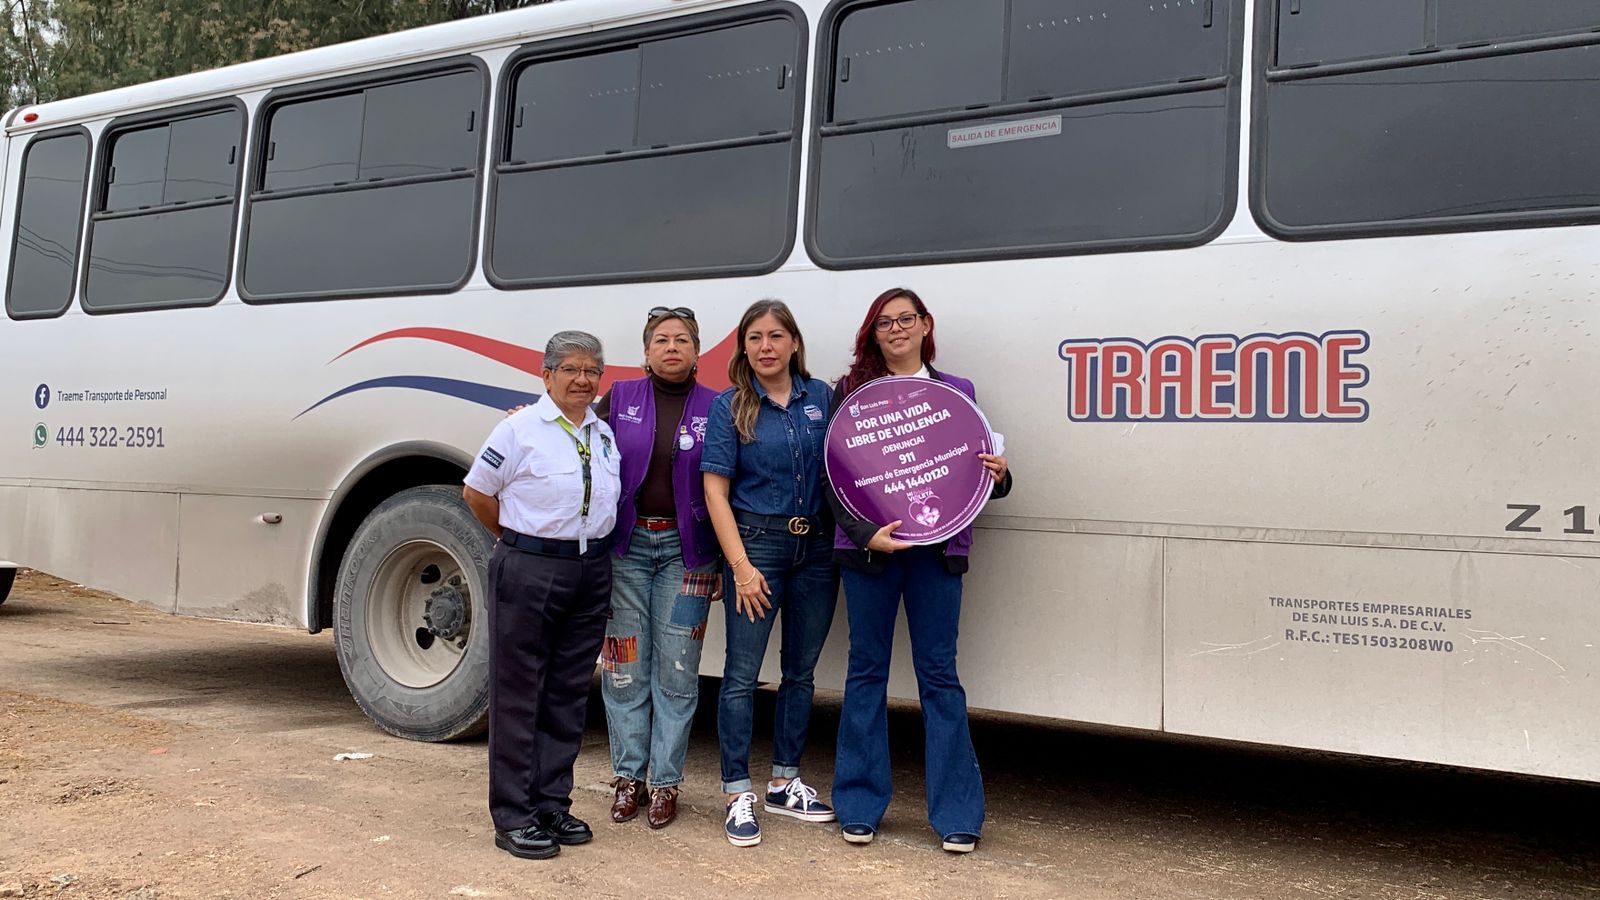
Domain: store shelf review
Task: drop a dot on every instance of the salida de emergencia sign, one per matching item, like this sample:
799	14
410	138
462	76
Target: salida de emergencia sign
1000	132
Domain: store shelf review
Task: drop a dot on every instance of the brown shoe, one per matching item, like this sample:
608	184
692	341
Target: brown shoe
626	806
663	807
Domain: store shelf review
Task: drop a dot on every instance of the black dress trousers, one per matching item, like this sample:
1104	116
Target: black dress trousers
547	619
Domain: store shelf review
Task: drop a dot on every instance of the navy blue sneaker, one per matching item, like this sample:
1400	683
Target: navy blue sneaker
742	828
960	842
800	801
858	834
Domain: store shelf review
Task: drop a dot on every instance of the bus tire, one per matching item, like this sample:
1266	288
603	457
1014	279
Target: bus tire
411	617
8	577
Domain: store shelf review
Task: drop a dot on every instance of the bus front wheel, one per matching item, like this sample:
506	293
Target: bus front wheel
411	616
7	578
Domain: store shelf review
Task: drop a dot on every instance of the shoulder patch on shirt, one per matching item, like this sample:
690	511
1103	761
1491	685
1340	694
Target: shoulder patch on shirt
813	413
492	457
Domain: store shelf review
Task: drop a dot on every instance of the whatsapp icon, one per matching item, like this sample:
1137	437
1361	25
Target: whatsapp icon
41	436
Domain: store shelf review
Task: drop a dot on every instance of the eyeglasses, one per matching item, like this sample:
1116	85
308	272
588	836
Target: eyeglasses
575	371
682	312
884	323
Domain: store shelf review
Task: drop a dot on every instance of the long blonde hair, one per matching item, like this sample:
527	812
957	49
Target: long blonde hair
746	403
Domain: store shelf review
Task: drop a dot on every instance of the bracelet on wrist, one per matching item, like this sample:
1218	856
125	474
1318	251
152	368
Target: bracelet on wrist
748	581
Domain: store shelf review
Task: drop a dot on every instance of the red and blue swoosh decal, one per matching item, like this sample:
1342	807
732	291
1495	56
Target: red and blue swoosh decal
713	371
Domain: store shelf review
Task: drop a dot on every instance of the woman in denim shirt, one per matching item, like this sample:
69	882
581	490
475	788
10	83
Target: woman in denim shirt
763	467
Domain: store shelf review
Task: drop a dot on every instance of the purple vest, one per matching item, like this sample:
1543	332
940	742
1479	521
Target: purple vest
961	544
633	419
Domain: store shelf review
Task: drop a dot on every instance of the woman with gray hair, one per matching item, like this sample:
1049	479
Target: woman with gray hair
546	482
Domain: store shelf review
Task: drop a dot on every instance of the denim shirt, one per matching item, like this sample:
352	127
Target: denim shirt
780	472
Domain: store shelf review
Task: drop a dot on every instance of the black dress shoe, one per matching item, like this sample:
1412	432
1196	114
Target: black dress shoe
565	828
531	842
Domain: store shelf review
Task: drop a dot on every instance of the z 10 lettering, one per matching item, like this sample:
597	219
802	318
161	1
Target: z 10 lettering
1576	516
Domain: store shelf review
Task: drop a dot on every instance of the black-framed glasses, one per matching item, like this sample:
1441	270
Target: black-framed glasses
570	371
682	312
884	323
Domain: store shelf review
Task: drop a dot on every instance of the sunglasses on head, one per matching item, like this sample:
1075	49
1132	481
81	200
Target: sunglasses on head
682	312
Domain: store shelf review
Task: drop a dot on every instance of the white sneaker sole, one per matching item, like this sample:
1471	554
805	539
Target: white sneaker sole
858	838
960	848
744	842
829	816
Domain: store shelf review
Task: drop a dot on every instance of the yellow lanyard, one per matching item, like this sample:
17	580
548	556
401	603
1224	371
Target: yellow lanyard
584	456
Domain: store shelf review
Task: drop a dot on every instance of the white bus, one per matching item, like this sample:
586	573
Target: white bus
1287	309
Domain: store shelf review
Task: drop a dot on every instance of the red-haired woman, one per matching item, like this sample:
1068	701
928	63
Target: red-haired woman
896	338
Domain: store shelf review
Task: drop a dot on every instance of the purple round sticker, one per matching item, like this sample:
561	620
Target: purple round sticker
907	449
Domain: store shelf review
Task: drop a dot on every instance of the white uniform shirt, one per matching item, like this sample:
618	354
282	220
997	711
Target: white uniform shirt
531	465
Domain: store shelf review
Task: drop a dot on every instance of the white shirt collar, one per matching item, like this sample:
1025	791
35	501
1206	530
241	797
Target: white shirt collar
549	411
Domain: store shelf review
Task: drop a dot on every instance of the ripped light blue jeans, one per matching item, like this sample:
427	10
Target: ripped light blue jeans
651	657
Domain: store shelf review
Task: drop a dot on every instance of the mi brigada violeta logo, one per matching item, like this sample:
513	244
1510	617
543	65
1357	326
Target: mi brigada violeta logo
1292	377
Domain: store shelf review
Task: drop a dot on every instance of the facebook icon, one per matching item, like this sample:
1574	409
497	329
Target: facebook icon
41	396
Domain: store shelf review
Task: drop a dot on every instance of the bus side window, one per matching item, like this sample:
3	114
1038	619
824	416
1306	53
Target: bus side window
1433	136
1329	30
367	187
973	129
161	234
668	153
44	243
918	57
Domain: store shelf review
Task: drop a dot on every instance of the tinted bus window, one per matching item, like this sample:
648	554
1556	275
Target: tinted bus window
163	234
372	191
903	58
44	249
138	173
1324	31
576	107
203	158
1461	21
424	127
964	130
1468	141
717	85
415	236
663	157
681	213
1330	30
1061	48
314	143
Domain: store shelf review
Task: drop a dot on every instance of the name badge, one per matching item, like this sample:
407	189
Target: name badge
685	441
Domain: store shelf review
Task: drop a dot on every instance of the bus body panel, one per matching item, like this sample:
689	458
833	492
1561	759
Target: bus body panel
1493	667
241	558
121	541
1146	572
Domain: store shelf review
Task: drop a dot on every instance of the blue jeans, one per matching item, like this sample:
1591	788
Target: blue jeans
651	656
861	775
800	574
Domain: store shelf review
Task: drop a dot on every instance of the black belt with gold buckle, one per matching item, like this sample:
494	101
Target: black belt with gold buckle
799	526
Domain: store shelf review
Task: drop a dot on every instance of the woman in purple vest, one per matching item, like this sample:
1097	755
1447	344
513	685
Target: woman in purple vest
896	338
666	569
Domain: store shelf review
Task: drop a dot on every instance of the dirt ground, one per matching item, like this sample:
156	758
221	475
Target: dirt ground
145	756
